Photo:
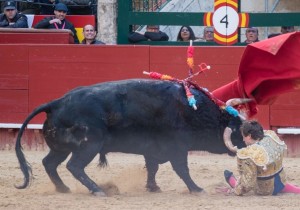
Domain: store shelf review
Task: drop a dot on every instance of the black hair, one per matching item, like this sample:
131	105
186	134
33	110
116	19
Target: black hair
192	34
253	128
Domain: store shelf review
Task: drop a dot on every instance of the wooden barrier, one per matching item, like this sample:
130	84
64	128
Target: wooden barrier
35	36
39	73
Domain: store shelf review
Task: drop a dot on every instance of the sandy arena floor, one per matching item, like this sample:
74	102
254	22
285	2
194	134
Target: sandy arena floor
124	182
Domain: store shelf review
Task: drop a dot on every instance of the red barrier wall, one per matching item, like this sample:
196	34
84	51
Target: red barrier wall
37	74
33	74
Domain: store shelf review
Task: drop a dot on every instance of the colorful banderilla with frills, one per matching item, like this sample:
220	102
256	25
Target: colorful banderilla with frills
190	58
156	75
187	82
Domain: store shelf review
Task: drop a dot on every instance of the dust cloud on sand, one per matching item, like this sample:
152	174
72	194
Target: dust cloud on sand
124	182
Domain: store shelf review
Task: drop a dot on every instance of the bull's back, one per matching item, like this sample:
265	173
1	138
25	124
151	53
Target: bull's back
134	111
136	101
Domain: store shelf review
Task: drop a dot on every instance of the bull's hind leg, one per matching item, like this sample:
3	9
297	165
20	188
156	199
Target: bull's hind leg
79	160
180	166
152	168
51	162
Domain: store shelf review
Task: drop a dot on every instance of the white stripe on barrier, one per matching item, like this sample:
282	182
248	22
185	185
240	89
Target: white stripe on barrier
16	125
288	130
35	126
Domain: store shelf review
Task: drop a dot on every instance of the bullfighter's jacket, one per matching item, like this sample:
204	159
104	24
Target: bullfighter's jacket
260	166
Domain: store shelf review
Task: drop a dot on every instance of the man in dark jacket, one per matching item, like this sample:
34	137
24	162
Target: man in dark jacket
89	34
10	18
152	34
58	21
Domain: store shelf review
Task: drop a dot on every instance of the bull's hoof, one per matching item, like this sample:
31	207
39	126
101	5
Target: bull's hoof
63	189
153	188
202	192
99	194
197	190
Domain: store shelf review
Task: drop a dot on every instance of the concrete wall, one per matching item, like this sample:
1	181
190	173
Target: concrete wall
107	21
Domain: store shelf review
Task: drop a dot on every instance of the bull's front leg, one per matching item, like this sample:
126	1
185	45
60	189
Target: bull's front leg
152	168
182	170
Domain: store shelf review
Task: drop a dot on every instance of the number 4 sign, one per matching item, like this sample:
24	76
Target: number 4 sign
226	21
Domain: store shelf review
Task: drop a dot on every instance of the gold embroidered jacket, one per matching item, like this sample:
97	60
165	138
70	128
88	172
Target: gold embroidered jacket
259	163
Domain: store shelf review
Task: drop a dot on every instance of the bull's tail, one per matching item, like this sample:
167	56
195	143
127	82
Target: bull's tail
24	165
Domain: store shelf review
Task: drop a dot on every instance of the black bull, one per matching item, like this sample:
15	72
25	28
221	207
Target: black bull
147	117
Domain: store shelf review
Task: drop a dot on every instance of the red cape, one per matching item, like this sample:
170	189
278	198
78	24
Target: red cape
267	69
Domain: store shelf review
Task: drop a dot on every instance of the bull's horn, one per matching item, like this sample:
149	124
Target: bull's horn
238	101
227	140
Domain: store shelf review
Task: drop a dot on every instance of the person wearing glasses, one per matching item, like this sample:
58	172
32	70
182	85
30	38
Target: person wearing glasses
10	18
284	30
208	34
58	21
152	34
287	29
251	35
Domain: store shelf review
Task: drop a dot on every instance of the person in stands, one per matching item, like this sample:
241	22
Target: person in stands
208	34
152	34
287	29
58	21
251	35
89	34
10	18
185	34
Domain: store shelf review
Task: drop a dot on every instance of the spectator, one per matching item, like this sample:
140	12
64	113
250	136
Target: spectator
47	6
260	163
251	35
287	29
10	18
284	30
89	34
272	35
185	34
208	34
152	34
58	21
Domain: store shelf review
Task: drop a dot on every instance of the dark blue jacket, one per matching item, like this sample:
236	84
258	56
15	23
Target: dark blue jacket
20	21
